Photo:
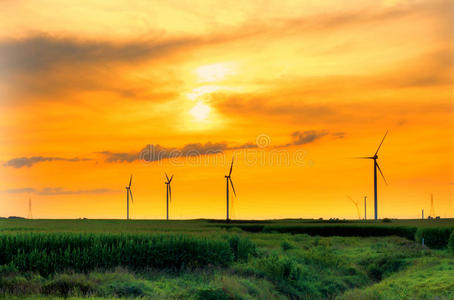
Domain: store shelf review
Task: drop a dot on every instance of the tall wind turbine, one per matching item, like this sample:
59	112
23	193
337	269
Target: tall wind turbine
168	193
357	207
376	166
30	215
128	193
228	178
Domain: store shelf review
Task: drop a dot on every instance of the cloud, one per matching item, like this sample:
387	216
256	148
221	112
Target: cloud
20	162
151	153
19	191
305	137
250	104
46	65
157	152
40	53
52	191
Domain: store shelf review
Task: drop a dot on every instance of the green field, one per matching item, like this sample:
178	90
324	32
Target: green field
210	259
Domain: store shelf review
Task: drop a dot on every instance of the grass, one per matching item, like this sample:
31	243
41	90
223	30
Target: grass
208	259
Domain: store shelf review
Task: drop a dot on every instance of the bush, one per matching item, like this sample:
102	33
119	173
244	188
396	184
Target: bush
66	285
241	247
383	266
127	289
278	269
9	269
343	230
286	245
433	237
451	243
211	294
18	285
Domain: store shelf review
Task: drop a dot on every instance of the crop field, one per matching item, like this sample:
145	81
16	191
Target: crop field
210	259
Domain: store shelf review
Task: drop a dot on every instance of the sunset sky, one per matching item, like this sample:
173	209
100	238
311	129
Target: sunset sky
292	89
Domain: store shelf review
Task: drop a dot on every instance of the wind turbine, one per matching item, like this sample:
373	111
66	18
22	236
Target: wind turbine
30	215
168	193
365	207
228	178
376	166
128	192
357	207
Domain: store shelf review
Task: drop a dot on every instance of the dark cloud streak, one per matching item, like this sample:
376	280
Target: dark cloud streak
20	162
54	191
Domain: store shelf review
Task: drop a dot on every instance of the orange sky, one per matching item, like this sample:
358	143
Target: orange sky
292	89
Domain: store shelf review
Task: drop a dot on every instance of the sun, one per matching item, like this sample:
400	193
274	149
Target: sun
200	111
214	72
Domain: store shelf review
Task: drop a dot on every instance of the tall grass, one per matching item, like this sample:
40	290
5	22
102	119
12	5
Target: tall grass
50	253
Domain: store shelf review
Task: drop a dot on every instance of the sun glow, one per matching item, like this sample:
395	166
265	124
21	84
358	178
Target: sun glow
214	72
200	111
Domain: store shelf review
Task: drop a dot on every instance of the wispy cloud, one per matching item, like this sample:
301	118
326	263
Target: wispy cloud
20	162
151	153
52	191
157	152
305	137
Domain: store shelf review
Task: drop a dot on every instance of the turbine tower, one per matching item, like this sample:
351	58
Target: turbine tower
376	166
432	209
357	207
228	178
128	192
365	207
30	215
168	193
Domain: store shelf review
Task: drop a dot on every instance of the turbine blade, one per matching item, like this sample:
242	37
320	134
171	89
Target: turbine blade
382	174
167	177
171	179
231	167
130	181
132	199
362	157
350	197
381	142
231	183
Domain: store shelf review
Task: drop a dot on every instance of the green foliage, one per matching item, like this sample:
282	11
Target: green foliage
241	247
8	270
343	230
199	260
127	289
286	245
50	253
18	285
451	242
426	278
433	237
211	294
277	268
384	265
65	285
